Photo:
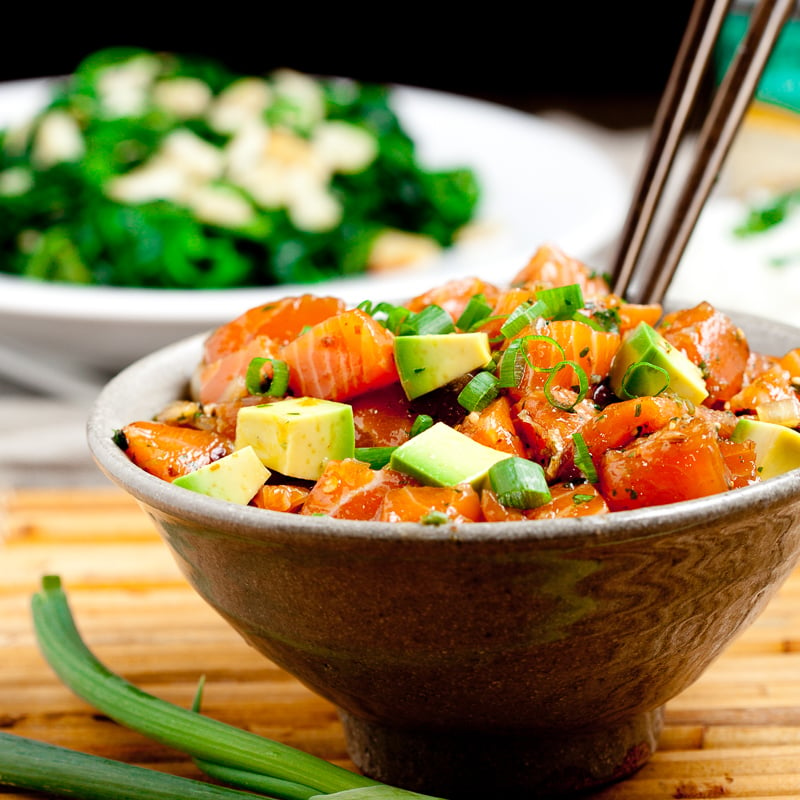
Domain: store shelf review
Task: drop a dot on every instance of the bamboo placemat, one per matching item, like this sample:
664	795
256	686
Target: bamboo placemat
734	733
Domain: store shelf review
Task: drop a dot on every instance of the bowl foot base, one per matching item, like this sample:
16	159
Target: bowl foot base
459	764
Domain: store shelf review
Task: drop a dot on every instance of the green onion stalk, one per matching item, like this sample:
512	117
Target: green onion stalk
243	759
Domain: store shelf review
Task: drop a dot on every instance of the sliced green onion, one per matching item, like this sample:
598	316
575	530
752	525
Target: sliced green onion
376	457
421	423
390	316
199	736
579	499
561	302
475	313
581	389
522	316
601	319
583	458
435	517
641	366
276	386
519	483
479	392
432	319
515	357
512	365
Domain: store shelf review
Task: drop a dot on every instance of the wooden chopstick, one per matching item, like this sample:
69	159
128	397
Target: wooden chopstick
715	138
672	114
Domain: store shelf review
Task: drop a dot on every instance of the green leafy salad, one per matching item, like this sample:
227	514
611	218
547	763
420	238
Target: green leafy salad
167	171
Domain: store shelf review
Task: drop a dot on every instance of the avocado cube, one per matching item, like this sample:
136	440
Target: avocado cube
235	477
646	362
297	436
429	361
443	456
777	447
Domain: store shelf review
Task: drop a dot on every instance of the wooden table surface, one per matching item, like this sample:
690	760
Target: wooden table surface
734	733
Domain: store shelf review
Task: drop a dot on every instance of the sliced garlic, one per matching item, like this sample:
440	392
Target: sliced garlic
156	180
58	139
344	147
15	181
242	102
184	97
124	88
195	156
220	205
393	249
303	93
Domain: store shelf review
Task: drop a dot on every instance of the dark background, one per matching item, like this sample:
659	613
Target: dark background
608	62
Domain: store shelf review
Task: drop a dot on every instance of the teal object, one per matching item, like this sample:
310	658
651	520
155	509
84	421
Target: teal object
780	82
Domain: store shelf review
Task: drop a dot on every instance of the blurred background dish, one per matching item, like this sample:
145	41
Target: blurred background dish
540	181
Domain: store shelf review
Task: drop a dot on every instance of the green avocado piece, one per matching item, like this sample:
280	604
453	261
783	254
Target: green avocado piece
297	436
646	363
443	456
777	447
235	477
427	361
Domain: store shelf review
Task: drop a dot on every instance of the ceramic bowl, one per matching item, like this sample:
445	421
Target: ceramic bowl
531	657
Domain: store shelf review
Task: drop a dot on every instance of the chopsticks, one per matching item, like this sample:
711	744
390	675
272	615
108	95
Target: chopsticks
716	135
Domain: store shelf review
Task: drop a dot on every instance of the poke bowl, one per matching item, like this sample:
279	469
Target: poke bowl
498	653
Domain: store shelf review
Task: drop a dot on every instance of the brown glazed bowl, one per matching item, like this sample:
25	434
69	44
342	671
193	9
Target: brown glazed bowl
532	657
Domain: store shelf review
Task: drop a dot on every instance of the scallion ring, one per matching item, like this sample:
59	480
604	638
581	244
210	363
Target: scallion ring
433	319
519	483
421	423
479	392
639	366
376	457
561	302
582	388
276	386
475	313
583	458
512	365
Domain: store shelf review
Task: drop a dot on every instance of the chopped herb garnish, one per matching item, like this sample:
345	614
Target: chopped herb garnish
578	498
421	423
434	517
475	313
583	458
259	384
479	392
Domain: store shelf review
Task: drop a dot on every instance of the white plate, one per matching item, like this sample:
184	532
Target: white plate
758	274
541	183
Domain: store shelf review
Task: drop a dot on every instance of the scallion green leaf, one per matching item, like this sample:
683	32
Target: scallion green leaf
432	319
479	392
561	302
581	389
519	483
522	316
512	365
476	312
583	458
389	315
276	386
199	736
376	457
38	766
421	423
642	366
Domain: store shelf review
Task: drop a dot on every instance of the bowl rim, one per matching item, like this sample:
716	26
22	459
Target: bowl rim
246	521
